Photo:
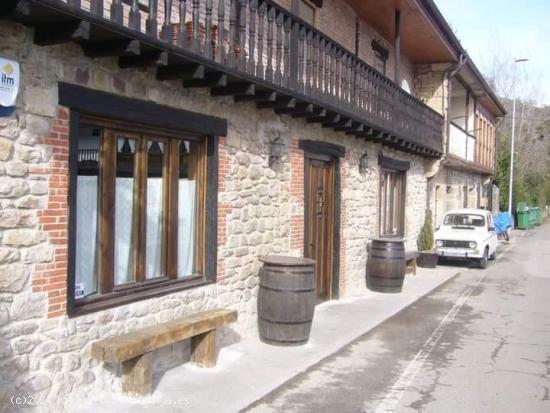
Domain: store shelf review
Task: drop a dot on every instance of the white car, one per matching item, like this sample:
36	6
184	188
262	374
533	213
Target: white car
467	234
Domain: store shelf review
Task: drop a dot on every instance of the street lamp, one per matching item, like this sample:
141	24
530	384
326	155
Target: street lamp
513	136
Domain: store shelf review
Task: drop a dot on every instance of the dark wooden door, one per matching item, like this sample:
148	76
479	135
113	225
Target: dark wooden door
319	211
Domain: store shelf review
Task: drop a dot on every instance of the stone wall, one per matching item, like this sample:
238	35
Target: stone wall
431	86
260	211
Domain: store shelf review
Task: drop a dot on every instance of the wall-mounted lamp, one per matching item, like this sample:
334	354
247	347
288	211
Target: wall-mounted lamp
276	151
363	163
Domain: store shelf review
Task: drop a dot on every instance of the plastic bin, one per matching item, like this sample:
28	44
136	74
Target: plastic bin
524	218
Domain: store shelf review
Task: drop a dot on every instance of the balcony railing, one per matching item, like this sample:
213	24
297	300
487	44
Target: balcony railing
254	50
461	143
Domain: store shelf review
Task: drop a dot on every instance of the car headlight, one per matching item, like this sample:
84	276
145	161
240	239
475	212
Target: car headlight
472	244
439	243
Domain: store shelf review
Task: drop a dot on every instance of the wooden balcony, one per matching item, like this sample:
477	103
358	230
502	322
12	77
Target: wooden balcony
249	49
463	151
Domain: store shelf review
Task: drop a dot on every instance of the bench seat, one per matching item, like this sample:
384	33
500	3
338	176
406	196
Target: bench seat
134	349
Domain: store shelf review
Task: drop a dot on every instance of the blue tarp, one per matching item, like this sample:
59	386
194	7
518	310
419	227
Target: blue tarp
502	222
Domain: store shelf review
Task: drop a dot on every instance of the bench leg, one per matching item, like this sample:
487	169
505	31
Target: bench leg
203	349
137	375
414	266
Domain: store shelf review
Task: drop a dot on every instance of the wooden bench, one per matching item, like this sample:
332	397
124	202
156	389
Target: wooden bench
134	349
410	260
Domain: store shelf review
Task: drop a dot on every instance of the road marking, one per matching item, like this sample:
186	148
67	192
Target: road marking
400	386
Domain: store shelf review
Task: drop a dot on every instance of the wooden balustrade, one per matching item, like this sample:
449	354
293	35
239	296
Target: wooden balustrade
263	41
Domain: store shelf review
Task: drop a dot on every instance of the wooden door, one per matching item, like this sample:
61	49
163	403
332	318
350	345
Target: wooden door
319	211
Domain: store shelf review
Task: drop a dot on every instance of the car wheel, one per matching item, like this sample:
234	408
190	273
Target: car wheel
483	261
493	256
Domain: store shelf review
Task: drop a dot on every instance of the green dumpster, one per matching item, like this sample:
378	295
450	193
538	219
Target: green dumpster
523	215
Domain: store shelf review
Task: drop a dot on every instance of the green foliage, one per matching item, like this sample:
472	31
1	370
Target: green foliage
529	186
426	236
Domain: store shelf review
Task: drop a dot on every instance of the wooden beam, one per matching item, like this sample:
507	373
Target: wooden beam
137	375
324	116
387	141
331	121
366	133
307	111
319	113
210	80
203	349
301	109
238	88
259	96
65	32
378	135
103	104
149	59
344	125
355	129
112	48
184	72
282	102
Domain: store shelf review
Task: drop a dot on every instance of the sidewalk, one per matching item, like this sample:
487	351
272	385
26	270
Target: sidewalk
249	369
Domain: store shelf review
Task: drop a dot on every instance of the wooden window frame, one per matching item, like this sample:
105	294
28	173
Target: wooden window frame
397	166
110	295
84	102
383	209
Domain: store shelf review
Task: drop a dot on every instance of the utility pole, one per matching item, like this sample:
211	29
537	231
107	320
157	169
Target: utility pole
510	191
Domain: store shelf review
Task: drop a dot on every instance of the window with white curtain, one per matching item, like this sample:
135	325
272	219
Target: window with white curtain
392	203
139	208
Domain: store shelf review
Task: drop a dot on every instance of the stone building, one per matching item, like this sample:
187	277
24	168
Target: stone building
152	157
463	177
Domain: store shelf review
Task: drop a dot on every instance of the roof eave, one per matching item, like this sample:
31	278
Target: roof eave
434	12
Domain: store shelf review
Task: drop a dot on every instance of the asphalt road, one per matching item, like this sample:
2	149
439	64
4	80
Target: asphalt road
479	343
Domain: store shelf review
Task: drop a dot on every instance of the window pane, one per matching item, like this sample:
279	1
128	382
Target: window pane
156	155
87	210
392	203
187	208
124	210
383	204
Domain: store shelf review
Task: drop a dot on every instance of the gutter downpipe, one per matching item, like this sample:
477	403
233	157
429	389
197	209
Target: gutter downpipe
448	75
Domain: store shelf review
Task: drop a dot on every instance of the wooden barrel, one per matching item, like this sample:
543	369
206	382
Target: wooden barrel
286	300
386	265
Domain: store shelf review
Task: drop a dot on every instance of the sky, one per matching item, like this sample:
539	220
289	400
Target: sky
509	29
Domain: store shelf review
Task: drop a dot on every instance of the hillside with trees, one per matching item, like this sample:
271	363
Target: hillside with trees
532	154
532	143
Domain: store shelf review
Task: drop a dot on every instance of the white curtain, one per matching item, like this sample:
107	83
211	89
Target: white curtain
186	227
86	233
154	227
124	208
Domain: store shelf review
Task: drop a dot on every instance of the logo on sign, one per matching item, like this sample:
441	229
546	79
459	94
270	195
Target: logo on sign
6	79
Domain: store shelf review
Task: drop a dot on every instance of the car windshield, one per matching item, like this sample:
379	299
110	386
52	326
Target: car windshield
464	220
